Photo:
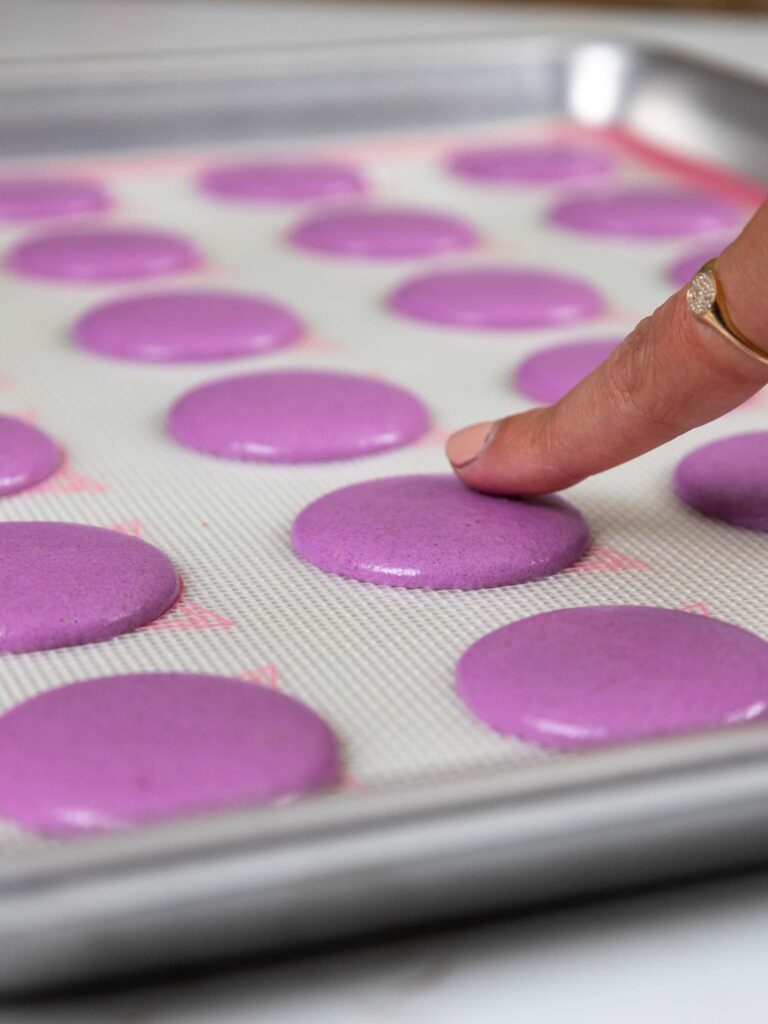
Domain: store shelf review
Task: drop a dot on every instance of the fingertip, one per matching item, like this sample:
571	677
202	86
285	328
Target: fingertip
506	457
465	446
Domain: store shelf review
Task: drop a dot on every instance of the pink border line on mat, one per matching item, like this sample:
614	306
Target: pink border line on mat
735	186
742	189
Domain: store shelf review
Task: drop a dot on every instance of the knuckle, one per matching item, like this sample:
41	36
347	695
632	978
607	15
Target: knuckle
555	449
634	381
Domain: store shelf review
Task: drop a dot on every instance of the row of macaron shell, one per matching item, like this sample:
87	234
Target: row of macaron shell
374	232
97	756
219	418
397	530
238	418
200	796
534	679
96	753
629	210
201	326
204	325
287	180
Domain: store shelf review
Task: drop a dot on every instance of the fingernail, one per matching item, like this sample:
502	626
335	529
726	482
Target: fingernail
468	444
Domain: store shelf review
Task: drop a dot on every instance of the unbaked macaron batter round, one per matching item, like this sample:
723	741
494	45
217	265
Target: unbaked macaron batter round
728	479
432	533
185	326
645	212
497	298
530	164
64	584
297	416
580	677
28	199
111	752
105	254
550	373
27	456
279	181
381	233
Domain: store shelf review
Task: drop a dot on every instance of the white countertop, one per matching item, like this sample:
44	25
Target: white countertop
689	956
694	954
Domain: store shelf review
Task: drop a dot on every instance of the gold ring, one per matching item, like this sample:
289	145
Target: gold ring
706	302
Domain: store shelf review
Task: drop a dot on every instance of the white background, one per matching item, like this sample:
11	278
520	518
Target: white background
695	954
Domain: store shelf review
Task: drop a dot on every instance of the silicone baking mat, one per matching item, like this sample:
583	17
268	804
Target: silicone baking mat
376	663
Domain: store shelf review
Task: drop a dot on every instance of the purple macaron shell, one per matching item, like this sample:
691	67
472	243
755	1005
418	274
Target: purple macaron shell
580	677
32	198
104	254
297	416
645	212
728	480
185	326
497	298
64	584
432	533
120	750
27	456
550	373
282	181
382	233
532	164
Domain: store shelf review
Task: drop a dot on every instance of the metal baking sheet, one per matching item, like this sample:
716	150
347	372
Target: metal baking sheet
436	815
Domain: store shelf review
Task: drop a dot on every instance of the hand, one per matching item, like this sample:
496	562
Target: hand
672	373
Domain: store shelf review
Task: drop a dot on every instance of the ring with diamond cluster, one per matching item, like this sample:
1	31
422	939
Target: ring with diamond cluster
706	302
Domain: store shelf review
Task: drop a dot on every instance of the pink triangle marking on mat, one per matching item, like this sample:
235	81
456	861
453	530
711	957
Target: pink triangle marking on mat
349	784
188	615
26	415
132	527
211	270
67	481
488	247
170	165
697	608
264	675
757	403
434	438
618	316
319	345
602	559
417	148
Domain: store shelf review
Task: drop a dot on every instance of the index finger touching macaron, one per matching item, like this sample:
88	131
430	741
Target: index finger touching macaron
672	373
